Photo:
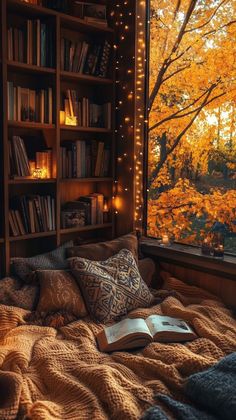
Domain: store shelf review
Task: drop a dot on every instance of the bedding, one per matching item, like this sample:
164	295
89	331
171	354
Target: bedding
49	373
211	392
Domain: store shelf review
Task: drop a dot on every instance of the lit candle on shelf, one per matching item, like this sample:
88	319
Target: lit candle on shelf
165	240
105	212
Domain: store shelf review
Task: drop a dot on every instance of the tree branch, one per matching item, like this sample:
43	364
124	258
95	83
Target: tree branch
168	60
209	20
176	115
178	138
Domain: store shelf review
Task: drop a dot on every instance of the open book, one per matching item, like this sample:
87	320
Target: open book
138	332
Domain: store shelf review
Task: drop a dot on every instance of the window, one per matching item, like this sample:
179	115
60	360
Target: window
192	120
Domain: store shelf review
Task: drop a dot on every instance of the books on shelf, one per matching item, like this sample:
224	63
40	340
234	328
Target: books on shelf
87	113
85	58
18	159
32	214
87	210
30	105
19	162
131	333
84	159
32	43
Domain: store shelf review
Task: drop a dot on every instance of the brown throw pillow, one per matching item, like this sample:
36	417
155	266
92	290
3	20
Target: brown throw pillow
101	251
59	291
147	269
113	287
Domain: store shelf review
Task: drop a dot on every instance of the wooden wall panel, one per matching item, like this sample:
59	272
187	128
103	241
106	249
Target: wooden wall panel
222	287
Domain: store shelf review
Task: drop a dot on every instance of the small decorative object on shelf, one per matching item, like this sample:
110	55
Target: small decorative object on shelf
207	245
39	173
165	241
70	120
218	244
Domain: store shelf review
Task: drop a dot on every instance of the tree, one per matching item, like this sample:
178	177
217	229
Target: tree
192	101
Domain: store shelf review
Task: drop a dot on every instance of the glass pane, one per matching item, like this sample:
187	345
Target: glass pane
192	120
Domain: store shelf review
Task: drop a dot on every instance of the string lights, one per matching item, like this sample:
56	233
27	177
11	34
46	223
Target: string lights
129	21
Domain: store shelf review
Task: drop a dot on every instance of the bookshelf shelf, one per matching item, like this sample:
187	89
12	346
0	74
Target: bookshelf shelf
32	236
29	68
85	129
32	125
30	91
32	181
98	179
67	75
86	228
66	20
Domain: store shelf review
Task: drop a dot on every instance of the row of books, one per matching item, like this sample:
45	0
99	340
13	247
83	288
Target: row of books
87	210
84	57
19	163
32	43
32	214
84	159
86	112
30	105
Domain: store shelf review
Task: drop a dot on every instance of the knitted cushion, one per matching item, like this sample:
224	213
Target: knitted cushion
101	251
53	260
113	287
59	291
14	294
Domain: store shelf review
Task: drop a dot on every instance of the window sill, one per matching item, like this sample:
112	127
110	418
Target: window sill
190	257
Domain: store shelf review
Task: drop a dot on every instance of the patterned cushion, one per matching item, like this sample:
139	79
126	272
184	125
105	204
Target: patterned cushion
59	291
12	293
113	287
101	251
53	260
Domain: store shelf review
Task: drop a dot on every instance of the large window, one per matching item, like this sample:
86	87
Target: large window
192	120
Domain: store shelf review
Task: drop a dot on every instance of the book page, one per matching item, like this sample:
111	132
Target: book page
159	323
124	328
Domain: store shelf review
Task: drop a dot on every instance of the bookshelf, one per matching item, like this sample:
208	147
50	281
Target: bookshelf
48	85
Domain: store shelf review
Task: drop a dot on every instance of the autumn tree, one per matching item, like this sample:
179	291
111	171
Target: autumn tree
191	106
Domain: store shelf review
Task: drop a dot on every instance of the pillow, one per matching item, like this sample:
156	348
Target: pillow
14	294
113	287
101	251
59	291
147	269
53	260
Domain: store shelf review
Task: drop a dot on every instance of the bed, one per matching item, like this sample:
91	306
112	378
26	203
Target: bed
59	373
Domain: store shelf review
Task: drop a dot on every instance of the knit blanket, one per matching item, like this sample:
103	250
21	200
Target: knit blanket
48	373
212	394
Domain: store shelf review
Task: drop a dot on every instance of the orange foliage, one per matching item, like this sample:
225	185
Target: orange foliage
192	117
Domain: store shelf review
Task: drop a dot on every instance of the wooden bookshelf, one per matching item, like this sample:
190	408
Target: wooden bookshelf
55	135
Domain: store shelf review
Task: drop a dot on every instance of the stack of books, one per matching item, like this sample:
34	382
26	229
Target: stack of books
32	214
84	159
29	105
87	210
32	43
87	113
84	57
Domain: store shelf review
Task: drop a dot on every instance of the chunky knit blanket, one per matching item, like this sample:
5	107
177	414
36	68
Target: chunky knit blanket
60	374
212	394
